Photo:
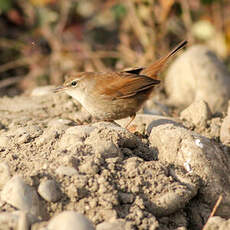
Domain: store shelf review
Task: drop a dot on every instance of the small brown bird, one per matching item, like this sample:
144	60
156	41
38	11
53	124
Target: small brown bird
109	96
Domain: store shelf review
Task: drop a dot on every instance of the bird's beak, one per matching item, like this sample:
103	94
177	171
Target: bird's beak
59	89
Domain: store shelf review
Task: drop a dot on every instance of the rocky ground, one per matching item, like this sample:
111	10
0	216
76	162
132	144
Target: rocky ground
166	172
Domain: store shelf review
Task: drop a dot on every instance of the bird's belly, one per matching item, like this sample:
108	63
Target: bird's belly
113	109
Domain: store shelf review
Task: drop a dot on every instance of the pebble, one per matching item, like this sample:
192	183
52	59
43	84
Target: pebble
20	195
113	225
4	141
49	191
70	220
126	198
4	174
8	220
198	113
132	163
66	171
59	123
14	220
217	223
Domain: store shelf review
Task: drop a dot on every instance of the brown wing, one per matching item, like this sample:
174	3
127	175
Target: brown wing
123	84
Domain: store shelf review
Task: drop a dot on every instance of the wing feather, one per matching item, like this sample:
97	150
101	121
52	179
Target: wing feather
124	85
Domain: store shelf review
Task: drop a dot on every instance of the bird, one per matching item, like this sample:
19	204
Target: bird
114	95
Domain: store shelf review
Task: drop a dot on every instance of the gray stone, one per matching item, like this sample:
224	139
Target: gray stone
198	113
180	146
70	220
49	191
195	75
20	195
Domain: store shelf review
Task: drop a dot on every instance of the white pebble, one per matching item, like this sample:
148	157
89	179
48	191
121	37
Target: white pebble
70	220
49	191
188	166
199	143
116	224
20	195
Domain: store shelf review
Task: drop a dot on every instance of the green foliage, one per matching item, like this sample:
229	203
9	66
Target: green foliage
119	11
208	2
5	5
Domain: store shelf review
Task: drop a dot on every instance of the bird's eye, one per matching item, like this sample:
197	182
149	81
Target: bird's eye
73	83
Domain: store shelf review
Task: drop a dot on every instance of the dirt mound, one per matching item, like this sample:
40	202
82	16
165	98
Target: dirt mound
167	177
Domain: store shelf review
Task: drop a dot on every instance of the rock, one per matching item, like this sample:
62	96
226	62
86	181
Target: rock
8	220
108	131
4	140
107	149
198	75
142	121
178	146
225	131
23	222
41	225
126	198
20	195
4	174
49	191
70	220
14	220
113	225
214	128
225	225
198	113
217	223
66	171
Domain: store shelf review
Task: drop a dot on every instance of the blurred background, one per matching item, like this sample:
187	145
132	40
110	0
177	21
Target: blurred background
41	40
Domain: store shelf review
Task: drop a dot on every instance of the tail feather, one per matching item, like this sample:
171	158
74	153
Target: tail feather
155	68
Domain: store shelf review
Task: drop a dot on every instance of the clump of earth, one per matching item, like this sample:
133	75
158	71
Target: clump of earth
164	172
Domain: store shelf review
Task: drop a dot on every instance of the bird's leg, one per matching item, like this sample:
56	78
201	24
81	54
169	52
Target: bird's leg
130	121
